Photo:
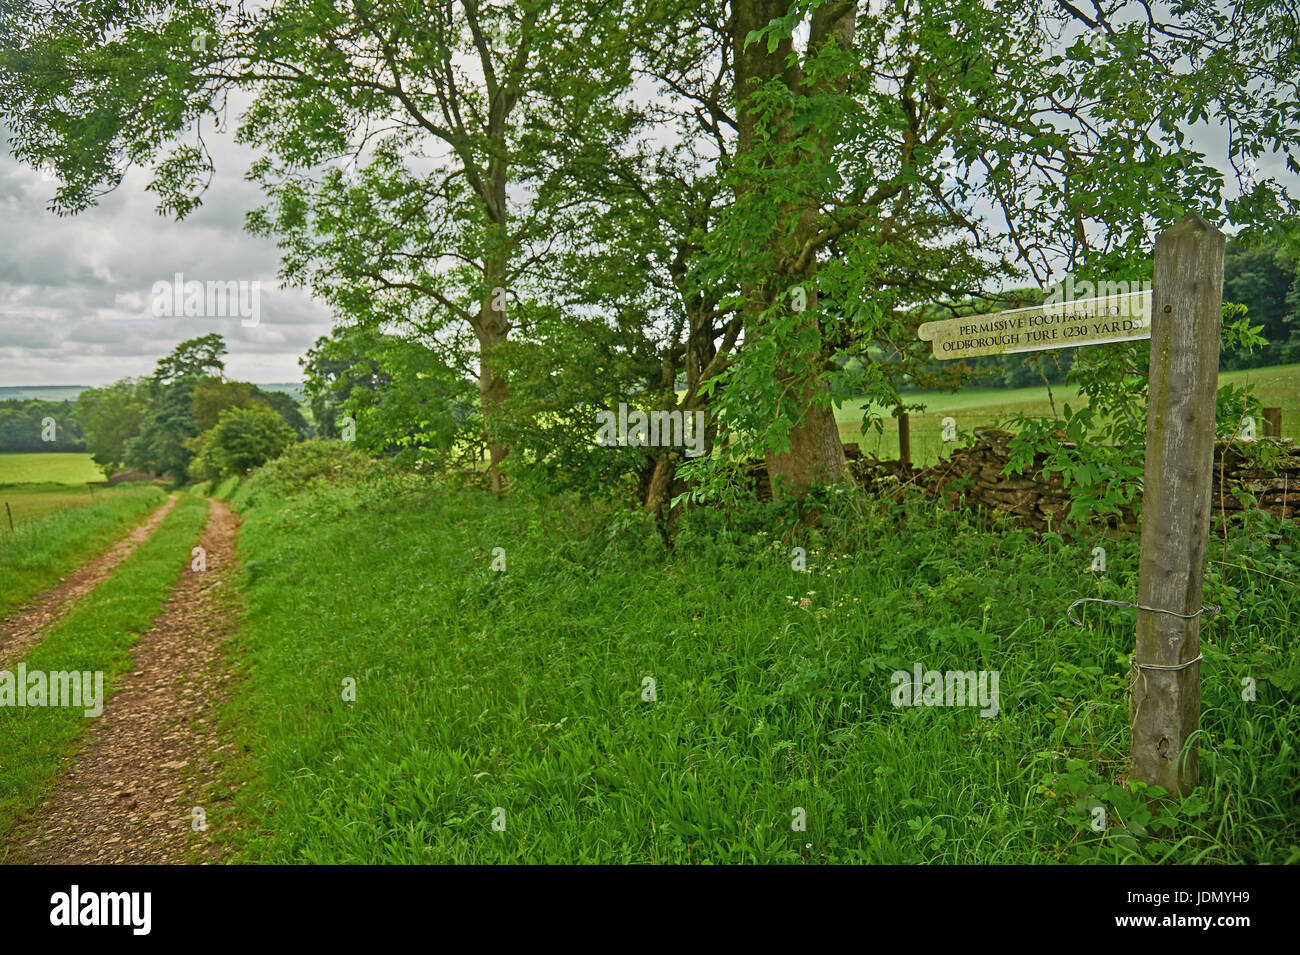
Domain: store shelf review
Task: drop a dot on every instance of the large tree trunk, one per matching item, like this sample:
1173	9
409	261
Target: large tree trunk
661	482
816	454
491	329
701	359
493	391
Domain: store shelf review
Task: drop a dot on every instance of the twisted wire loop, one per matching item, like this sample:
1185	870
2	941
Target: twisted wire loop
1207	609
1136	668
1163	666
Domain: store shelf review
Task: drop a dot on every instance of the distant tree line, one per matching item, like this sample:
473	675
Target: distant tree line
32	425
1266	279
187	421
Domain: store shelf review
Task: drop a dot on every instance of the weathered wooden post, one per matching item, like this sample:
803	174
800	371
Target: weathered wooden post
1186	314
1182	317
904	437
1272	422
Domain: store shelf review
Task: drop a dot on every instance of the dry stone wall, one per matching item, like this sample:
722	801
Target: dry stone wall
974	476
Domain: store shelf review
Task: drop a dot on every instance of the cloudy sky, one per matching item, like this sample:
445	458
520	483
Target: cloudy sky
76	293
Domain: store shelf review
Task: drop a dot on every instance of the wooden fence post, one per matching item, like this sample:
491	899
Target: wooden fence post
1272	422
904	438
1186	313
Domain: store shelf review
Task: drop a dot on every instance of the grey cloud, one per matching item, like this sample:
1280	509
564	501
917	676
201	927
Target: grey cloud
76	292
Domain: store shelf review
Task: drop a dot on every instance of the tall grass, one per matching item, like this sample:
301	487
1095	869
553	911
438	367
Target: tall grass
522	696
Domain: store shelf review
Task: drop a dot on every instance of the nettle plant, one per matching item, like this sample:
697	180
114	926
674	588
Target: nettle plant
1099	449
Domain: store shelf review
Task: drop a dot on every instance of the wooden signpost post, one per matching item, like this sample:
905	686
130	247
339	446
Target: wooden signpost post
1187	299
904	437
1272	422
1181	316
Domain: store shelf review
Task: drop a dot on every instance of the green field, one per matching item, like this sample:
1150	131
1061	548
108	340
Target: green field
972	408
56	529
607	700
29	502
69	468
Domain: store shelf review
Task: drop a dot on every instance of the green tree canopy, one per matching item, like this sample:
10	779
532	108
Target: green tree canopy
242	439
112	416
195	358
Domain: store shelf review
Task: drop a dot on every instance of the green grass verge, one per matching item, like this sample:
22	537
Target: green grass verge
224	490
41	550
97	635
54	467
522	696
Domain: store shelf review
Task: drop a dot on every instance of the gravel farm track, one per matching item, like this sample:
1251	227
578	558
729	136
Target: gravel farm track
133	791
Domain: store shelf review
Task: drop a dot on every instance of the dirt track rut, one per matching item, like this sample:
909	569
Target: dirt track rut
130	795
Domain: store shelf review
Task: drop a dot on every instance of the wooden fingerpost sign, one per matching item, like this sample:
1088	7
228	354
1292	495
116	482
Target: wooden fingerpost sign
1187	309
1181	316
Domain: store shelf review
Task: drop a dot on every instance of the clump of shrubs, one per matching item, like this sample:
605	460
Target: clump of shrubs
242	439
301	466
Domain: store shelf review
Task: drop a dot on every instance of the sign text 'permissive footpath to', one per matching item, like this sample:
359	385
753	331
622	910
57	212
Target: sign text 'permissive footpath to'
1092	321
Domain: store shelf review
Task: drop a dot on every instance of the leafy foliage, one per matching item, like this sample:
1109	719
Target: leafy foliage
1099	448
242	439
301	466
402	395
